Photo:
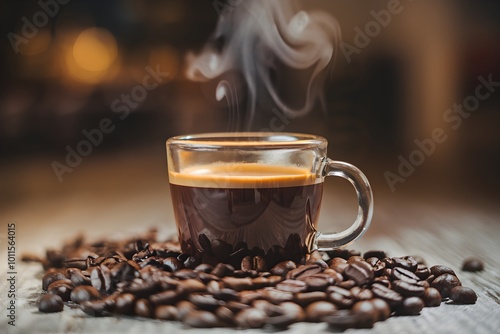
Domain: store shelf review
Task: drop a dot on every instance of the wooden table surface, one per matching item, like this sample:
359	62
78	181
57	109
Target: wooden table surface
120	196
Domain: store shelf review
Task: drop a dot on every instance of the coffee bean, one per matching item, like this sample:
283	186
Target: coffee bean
124	304
84	293
247	263
222	269
444	283
77	278
56	258
347	284
81	264
62	288
248	296
204	268
379	268
276	296
379	254
355	258
293	286
318	282
303	271
366	313
338	264
250	318
408	289
422	272
316	311
95	308
184	308
166	297
463	295
391	297
259	263
51	277
204	301
165	312
100	278
337	278
290	314
318	262
143	308
238	284
359	293
342	319
431	297
184	274
405	262
172	264
402	274
143	289
226	294
340	297
410	306
206	278
360	272
201	319
282	268
473	264
372	261
205	243
236	306
439	270
268	308
306	298
225	314
50	303
382	309
191	285
221	249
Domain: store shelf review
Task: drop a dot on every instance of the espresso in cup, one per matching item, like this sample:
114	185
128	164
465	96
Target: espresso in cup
256	194
262	205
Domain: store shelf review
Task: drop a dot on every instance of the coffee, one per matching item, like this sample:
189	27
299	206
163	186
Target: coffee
262	205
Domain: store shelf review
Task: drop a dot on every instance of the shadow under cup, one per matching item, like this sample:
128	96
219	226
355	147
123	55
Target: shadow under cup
246	194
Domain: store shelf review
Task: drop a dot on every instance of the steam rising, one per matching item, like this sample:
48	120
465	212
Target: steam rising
255	36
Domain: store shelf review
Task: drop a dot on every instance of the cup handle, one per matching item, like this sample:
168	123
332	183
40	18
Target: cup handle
330	241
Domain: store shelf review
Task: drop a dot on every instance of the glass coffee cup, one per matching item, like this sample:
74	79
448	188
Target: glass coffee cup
249	194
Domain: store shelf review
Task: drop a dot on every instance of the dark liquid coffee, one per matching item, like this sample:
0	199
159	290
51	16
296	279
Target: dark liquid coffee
248	209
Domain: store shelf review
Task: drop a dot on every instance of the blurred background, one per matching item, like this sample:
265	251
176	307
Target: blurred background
64	75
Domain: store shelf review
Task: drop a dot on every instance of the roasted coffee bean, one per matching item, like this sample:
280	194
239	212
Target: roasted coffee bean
338	264
201	319
191	262
56	258
268	308
348	284
165	298
360	272
238	284
62	288
340	297
247	263
204	301
205	243
372	261
226	294
143	308
206	278
444	283
342	319
221	249
389	262
383	280
355	258
316	311
382	308
123	271
248	296
222	269
422	272
390	296
402	274
359	293
318	262
84	293
276	296
410	306
51	277
430	278
303	271
172	264
250	318
124	304
204	268
262	282
77	278
184	307
408	289
306	298
339	252
191	285
50	303
318	282
293	286
473	264
463	295
225	314
259	263
165	312
290	314
81	264
379	268
439	270
100	278
236	306
405	262
184	274
379	254
143	289
282	268
366	313
214	286
431	297
95	308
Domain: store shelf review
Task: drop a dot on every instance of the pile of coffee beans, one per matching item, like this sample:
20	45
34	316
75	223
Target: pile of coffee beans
153	279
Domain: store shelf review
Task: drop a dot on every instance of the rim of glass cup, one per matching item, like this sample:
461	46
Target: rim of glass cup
247	140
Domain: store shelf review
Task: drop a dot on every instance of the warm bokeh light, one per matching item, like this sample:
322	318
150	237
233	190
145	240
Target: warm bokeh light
167	58
95	49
